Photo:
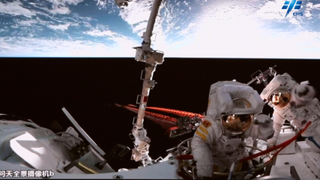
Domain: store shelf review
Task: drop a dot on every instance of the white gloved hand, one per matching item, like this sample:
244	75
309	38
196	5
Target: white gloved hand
271	142
295	125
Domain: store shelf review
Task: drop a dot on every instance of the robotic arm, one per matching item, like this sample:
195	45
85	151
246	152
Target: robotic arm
152	58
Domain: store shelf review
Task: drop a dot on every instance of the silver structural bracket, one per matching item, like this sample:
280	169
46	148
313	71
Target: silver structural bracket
82	132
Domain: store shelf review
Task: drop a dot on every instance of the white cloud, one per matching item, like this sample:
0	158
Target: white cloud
317	6
101	3
309	7
236	34
187	30
97	32
259	45
58	6
59	10
136	12
225	30
107	4
26	22
32	47
271	10
15	8
140	28
61	27
124	43
64	2
307	13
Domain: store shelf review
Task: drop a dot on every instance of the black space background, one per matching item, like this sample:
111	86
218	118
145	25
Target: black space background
38	88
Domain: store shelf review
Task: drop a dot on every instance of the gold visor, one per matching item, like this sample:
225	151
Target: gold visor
237	123
280	98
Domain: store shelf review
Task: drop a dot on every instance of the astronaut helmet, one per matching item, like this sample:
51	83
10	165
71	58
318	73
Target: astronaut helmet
280	97
278	92
234	104
238	122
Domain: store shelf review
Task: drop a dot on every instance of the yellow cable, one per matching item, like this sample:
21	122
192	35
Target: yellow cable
83	167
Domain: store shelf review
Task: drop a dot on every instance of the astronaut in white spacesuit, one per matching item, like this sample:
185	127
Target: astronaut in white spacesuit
232	120
295	103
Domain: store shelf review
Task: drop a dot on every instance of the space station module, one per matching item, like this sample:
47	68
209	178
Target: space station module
26	145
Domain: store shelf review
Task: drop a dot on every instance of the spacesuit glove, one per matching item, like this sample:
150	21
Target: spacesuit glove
271	142
296	129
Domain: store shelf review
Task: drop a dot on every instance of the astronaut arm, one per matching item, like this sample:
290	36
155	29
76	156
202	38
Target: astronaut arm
265	126
315	106
277	125
201	150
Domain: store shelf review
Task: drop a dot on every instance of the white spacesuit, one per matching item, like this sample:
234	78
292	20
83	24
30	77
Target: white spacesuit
296	103
231	122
